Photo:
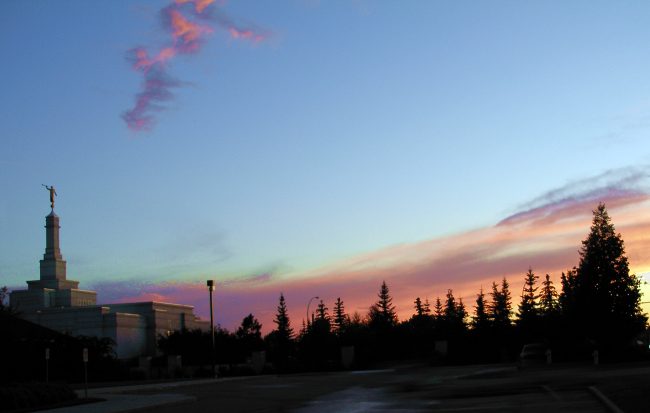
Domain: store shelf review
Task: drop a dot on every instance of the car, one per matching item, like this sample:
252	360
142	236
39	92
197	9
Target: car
534	354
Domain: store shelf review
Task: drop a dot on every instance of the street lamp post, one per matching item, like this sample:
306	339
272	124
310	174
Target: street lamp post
308	304
211	289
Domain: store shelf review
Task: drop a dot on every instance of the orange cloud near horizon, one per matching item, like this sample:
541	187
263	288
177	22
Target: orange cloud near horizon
546	239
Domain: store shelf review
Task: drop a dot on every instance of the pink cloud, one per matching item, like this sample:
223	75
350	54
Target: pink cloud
546	238
187	23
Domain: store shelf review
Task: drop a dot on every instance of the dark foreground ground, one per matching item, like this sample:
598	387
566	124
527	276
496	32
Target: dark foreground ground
416	388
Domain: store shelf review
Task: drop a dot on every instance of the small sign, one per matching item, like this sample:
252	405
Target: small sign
85	355
47	354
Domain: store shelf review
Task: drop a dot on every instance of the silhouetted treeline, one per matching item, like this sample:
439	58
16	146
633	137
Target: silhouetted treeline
597	308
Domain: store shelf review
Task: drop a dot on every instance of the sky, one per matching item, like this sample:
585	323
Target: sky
317	148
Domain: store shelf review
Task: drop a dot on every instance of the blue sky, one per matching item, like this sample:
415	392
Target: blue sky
353	127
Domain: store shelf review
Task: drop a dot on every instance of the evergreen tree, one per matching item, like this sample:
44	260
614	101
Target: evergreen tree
279	342
321	311
506	298
285	332
438	310
528	310
318	344
321	325
548	298
322	315
382	313
339	315
419	308
418	333
461	313
426	308
480	320
501	307
566	299
603	298
450	307
454	313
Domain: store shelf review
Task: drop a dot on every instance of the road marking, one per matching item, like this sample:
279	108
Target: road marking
605	400
553	393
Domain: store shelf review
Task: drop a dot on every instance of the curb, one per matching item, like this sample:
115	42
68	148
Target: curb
126	404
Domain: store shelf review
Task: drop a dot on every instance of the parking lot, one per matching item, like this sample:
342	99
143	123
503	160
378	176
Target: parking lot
419	388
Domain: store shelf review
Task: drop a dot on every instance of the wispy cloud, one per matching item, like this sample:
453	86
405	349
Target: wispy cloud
202	241
186	23
613	185
546	236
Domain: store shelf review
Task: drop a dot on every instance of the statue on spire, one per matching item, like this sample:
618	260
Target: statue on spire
52	194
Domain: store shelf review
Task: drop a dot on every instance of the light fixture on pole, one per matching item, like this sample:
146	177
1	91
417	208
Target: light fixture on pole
210	284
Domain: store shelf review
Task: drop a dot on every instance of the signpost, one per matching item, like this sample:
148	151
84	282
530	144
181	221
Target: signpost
85	357
47	365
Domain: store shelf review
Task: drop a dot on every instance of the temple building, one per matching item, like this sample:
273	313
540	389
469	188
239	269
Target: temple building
55	302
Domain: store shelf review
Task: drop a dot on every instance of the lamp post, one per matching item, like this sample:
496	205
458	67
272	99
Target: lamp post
210	284
308	304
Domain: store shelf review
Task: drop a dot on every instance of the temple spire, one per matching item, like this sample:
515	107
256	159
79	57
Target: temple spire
52	264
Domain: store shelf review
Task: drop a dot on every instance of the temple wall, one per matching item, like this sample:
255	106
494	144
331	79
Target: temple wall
129	333
23	301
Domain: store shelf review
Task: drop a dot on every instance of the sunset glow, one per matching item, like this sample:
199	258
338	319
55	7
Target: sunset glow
317	148
545	238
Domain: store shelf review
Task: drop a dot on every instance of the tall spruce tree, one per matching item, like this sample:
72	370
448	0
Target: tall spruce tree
548	304
419	307
461	313
450	307
602	297
501	306
438	310
480	320
382	314
340	317
528	308
322	311
322	325
279	342
284	330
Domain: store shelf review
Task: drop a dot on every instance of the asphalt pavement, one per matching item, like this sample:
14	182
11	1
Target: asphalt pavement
400	388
